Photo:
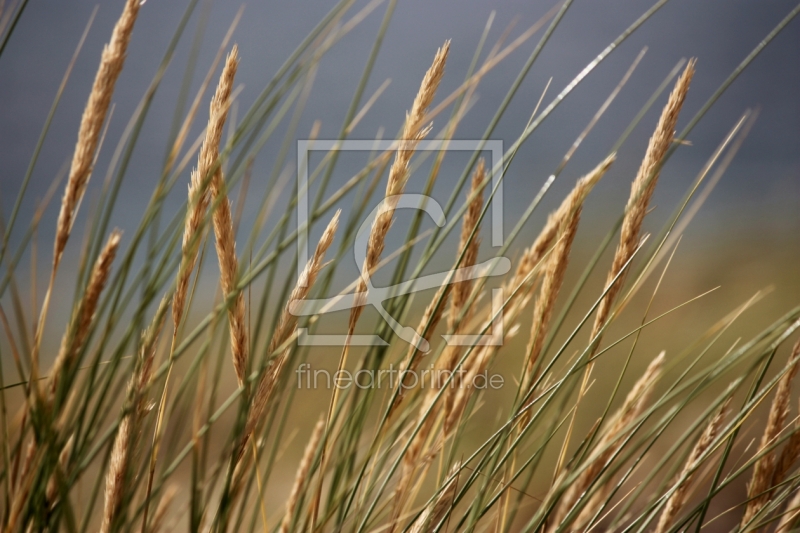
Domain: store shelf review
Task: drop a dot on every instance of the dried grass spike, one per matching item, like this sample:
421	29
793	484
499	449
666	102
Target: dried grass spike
224	234
200	182
305	282
678	497
642	190
302	476
285	329
566	219
63	464
787	458
431	317
94	115
413	132
71	344
229	266
791	451
790	516
631	408
462	289
758	491
435	512
118	473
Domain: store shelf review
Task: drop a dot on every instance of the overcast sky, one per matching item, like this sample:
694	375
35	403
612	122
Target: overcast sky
762	186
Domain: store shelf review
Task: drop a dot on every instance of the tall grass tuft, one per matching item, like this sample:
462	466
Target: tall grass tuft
137	427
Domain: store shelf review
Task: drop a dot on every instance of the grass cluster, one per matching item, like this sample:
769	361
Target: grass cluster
130	426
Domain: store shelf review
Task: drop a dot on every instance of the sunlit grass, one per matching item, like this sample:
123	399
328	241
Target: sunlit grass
147	422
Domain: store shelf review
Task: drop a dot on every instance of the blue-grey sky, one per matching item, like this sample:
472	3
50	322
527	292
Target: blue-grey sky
761	188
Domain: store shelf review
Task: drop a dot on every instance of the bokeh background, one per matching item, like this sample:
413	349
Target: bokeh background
743	240
748	226
757	194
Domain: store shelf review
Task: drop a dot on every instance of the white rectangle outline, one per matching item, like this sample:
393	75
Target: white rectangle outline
495	147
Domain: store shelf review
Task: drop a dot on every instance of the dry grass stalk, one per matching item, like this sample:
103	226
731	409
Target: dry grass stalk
515	289
206	178
531	257
287	324
71	344
94	115
198	187
474	365
430	318
462	289
225	236
791	451
22	488
765	468
423	449
518	288
200	179
566	219
641	191
460	294
418	458
787	458
791	514
288	321
609	444
678	497
437	510
118	474
63	462
411	460
414	131
229	265
302	476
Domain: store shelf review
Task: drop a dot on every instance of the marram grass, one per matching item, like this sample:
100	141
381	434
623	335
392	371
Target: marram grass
135	426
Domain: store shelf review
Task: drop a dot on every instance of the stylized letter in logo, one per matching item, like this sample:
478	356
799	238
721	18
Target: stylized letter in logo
375	296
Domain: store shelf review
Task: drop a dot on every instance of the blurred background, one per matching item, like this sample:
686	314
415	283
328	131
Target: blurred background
744	239
748	225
